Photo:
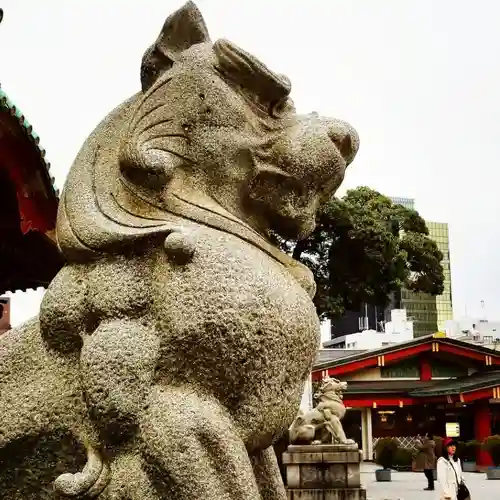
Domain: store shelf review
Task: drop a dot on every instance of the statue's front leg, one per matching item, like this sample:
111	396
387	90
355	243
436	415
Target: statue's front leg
117	364
194	450
334	426
267	474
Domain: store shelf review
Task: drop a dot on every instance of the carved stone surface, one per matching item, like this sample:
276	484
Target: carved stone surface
322	424
323	472
172	349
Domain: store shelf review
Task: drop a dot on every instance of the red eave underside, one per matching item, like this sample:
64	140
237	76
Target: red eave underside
27	171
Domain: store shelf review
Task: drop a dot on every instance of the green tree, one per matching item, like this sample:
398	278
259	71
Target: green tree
364	248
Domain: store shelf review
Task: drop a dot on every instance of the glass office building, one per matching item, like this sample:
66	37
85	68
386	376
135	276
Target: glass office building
438	231
427	312
406	202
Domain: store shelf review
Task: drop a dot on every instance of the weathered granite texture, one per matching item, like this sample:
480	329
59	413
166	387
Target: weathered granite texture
322	424
172	349
323	472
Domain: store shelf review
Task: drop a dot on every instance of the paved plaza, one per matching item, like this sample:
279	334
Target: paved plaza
410	485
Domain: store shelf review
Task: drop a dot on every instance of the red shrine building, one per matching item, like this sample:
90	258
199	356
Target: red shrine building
29	258
430	384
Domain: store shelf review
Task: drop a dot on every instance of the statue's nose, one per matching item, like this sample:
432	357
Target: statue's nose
345	137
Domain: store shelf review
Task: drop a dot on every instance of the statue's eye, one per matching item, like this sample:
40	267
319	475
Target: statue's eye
279	108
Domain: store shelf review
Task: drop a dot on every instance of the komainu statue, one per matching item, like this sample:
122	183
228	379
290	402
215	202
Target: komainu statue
322	424
172	349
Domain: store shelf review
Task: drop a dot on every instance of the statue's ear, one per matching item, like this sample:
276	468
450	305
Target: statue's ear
183	29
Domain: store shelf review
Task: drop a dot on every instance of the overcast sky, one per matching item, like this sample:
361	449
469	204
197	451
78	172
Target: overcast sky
419	79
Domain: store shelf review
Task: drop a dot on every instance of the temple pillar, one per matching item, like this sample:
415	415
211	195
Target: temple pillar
366	433
482	429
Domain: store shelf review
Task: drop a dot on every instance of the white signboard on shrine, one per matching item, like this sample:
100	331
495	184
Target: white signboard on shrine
452	429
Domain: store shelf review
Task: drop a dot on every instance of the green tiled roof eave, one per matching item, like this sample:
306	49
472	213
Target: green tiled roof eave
461	385
7	104
437	392
386	386
368	390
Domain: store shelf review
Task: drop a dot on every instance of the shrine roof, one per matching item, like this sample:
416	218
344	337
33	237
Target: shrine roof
386	386
419	388
13	118
360	355
482	380
327	355
29	257
28	263
358	360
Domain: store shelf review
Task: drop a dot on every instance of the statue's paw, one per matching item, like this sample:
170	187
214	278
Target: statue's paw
317	441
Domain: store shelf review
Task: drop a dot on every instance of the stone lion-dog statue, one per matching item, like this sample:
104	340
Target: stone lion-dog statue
171	351
322	424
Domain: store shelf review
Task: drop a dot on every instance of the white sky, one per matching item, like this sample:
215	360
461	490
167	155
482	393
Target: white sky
419	79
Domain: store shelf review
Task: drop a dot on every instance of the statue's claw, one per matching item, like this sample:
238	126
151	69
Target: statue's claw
87	484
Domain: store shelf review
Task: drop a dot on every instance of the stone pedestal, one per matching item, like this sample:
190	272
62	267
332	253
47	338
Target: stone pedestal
323	472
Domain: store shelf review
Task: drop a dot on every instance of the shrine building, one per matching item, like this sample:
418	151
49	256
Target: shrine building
431	384
29	258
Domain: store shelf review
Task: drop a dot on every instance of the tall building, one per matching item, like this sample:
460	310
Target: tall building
439	232
429	313
406	202
367	317
422	310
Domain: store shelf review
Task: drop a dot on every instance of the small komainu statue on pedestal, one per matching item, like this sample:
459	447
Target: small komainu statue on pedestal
322	463
322	424
171	351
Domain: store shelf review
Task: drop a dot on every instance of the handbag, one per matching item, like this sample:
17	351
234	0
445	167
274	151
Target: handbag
463	492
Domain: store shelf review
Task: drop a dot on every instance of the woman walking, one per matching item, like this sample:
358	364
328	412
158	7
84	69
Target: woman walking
449	474
426	459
